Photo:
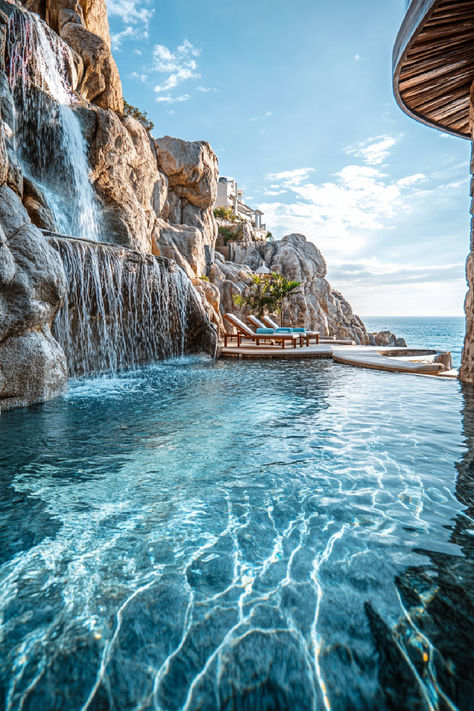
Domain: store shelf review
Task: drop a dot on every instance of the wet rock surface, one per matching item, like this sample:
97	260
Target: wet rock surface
32	286
85	27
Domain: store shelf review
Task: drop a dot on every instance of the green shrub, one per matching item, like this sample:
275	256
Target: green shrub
224	213
203	277
140	116
228	234
269	236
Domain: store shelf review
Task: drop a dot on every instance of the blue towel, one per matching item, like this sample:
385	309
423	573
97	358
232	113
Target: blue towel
265	331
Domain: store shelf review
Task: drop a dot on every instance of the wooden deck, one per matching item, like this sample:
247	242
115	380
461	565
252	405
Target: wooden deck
433	63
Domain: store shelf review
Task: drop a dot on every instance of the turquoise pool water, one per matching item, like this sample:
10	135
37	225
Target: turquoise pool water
239	536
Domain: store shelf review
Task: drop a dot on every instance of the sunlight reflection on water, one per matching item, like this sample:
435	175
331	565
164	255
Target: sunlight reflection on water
235	535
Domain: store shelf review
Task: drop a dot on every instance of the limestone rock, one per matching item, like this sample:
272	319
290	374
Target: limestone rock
386	338
183	243
85	27
100	82
210	297
125	175
191	168
32	369
315	305
32	286
36	206
191	171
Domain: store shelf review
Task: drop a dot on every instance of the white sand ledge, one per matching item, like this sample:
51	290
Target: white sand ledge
414	361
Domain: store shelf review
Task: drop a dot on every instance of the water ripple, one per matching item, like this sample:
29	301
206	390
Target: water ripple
238	536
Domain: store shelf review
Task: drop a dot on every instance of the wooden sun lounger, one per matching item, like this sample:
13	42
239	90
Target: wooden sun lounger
246	333
305	337
256	322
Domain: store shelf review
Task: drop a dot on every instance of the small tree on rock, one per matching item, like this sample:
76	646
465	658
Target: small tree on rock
265	293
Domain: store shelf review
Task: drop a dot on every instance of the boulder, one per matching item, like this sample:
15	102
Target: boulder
191	167
32	369
125	175
100	82
36	206
386	338
190	231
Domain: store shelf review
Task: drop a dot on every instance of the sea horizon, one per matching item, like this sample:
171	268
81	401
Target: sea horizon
434	332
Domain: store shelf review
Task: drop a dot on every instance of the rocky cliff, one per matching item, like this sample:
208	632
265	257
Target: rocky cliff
466	372
84	25
315	305
132	193
155	196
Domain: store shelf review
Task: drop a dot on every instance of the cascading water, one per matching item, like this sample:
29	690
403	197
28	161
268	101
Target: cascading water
125	309
51	147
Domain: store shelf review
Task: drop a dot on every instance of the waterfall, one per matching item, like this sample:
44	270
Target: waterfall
125	309
50	144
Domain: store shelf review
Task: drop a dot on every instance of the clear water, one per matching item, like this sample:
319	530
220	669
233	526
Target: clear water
228	535
444	333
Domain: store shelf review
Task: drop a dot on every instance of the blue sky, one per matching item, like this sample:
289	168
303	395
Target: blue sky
296	100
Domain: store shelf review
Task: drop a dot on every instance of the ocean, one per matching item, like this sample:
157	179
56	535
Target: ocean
445	333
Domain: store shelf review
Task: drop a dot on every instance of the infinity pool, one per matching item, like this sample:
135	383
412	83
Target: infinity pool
245	536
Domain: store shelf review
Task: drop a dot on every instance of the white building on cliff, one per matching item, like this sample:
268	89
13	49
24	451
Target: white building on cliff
230	197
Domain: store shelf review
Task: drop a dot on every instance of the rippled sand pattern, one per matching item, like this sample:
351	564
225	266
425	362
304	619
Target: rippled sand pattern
238	536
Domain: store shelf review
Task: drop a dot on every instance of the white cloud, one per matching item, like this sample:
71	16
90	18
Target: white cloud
180	65
357	57
204	89
373	271
290	177
168	99
135	15
374	151
342	214
262	118
140	77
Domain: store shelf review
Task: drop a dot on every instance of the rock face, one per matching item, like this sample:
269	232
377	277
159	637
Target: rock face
32	279
316	306
191	171
85	27
133	192
32	286
386	338
466	372
125	176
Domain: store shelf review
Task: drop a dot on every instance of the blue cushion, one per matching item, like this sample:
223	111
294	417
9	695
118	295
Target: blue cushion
284	330
265	331
298	330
